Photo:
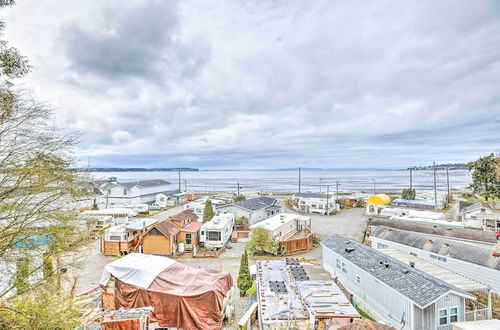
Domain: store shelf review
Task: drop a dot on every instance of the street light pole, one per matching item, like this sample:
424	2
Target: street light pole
327	193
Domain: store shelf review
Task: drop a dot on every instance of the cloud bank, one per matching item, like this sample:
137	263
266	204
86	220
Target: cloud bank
249	84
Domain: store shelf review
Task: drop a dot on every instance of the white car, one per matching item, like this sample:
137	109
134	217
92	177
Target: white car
157	206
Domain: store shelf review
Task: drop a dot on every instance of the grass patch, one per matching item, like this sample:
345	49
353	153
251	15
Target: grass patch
363	314
151	213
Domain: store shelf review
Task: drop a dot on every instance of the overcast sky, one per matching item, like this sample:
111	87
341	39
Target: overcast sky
267	84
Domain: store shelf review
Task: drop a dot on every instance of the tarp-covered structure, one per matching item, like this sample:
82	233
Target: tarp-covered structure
182	296
380	199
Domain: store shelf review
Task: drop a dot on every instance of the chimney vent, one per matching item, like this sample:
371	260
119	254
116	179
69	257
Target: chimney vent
412	264
349	249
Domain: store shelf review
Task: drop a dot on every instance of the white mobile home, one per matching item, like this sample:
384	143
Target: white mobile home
254	209
392	291
216	232
480	214
284	225
136	192
119	215
198	206
315	203
478	237
479	264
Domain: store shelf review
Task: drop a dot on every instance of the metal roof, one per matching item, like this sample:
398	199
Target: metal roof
311	195
277	221
143	183
438	229
461	251
414	202
446	275
418	286
254	204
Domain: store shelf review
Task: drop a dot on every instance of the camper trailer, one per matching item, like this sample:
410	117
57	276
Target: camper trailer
216	232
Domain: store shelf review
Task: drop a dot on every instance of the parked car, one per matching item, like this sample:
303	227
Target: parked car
156	206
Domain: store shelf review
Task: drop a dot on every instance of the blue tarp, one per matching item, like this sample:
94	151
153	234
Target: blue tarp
414	202
33	241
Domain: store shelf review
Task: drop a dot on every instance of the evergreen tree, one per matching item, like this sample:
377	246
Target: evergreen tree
486	176
408	194
208	213
244	281
239	198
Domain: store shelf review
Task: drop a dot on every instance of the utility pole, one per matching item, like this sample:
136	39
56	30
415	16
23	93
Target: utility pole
327	193
185	185
373	186
435	189
448	185
337	196
179	178
299	180
238	188
320	184
411	180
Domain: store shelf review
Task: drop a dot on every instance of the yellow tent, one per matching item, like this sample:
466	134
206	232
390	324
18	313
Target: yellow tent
380	199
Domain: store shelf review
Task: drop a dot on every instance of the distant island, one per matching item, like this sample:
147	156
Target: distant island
137	169
455	166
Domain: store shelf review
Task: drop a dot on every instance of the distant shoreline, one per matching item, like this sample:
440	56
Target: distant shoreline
136	169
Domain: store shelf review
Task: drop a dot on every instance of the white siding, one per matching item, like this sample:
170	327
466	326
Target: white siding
381	300
482	274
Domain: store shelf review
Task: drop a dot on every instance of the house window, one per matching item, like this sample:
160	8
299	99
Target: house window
114	238
382	246
339	264
320	206
358	279
433	256
413	254
443	316
344	267
188	239
313	205
303	202
109	191
203	232
124	191
453	314
441	258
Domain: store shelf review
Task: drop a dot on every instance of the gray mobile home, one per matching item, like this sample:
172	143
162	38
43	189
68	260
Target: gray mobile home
479	264
392	291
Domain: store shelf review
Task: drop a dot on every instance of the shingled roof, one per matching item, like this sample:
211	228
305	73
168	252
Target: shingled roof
417	286
456	250
254	204
184	215
438	229
143	183
166	227
311	195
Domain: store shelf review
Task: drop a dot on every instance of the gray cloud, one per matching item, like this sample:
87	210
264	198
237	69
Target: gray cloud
281	84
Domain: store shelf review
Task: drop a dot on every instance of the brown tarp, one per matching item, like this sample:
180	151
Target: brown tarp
182	297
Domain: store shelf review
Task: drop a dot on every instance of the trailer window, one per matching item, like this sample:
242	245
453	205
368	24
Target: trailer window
213	235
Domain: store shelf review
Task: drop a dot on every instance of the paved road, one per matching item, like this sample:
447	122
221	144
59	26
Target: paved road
350	223
87	265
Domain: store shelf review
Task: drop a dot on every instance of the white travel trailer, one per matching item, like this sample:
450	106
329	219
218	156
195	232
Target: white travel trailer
119	215
216	232
139	208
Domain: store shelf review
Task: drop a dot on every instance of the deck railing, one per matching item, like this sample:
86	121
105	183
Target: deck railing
480	313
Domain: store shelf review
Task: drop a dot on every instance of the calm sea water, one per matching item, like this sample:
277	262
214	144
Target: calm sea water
311	180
